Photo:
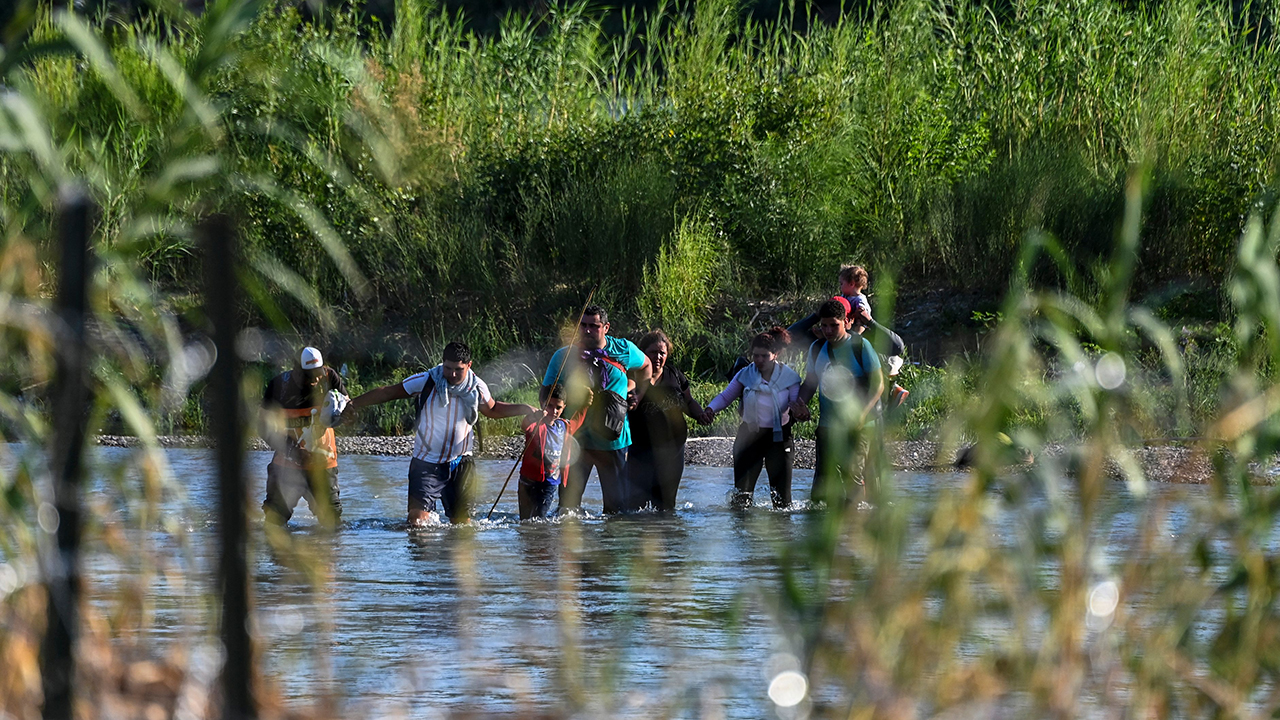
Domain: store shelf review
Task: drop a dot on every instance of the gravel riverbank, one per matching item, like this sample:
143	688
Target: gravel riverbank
1160	463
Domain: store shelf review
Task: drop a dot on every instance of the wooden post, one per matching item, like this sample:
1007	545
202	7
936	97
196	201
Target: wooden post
221	291
70	404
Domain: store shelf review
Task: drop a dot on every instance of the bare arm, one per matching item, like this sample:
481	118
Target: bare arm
377	396
809	387
876	391
800	406
495	410
643	376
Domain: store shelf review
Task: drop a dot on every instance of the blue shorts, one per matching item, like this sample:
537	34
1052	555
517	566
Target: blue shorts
448	483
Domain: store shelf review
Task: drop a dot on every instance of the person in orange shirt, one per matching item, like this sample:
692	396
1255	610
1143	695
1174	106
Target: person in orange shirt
297	427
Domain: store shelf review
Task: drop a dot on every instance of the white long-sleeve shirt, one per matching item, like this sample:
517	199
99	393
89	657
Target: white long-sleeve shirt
762	414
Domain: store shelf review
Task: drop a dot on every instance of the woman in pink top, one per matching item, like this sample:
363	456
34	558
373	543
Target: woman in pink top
767	387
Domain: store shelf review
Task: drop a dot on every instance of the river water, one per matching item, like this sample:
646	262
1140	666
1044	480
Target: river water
638	616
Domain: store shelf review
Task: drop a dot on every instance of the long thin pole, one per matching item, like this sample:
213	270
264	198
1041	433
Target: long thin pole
529	438
221	289
66	459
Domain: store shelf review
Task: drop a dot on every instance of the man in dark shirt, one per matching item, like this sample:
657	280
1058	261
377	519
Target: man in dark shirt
305	464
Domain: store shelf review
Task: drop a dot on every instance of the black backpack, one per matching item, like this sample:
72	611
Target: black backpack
608	414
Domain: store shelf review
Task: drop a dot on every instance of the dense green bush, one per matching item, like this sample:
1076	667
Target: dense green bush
437	181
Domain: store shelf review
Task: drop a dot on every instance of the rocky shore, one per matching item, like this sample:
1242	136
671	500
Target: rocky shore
1160	463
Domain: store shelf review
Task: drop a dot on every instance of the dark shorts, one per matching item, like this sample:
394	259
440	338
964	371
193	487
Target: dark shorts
537	498
448	484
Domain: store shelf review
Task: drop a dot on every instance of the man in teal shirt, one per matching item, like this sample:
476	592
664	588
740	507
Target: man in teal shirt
602	363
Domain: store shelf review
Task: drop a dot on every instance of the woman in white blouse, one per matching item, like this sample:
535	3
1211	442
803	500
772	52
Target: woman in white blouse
767	387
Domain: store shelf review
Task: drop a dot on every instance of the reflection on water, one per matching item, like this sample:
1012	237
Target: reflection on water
639	615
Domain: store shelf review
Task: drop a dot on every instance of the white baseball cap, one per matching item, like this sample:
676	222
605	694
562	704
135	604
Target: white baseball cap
311	358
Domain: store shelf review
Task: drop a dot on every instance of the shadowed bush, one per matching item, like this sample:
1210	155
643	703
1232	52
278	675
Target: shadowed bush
549	157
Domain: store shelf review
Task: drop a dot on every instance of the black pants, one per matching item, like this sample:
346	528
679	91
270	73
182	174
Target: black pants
755	448
611	465
655	475
842	462
287	485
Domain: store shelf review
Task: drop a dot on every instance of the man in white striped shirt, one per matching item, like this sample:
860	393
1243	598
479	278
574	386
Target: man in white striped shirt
450	400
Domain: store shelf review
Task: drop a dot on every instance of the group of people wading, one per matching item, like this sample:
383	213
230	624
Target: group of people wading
610	405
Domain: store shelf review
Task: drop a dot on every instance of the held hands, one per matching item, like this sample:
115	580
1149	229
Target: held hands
799	411
707	417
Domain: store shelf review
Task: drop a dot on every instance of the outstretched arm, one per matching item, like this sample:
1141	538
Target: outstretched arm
495	410
692	407
895	344
377	396
726	397
803	329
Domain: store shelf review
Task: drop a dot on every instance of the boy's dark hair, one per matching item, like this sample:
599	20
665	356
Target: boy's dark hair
598	312
557	391
775	340
457	352
832	309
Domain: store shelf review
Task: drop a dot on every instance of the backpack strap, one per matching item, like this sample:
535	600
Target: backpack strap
816	347
609	361
420	402
859	357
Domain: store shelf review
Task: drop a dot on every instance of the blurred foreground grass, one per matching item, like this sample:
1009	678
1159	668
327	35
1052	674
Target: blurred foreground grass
1180	626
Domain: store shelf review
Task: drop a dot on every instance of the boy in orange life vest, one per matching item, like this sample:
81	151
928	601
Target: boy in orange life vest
305	464
546	454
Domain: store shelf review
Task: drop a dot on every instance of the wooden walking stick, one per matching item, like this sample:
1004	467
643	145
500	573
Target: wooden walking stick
565	361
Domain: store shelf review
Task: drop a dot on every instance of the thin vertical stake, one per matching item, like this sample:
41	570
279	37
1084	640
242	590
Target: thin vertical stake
221	289
66	455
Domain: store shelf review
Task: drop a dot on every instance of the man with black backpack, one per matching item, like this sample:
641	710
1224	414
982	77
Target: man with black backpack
844	370
451	399
602	363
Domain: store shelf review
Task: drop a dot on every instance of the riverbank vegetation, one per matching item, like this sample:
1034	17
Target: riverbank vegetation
440	183
1100	170
397	189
